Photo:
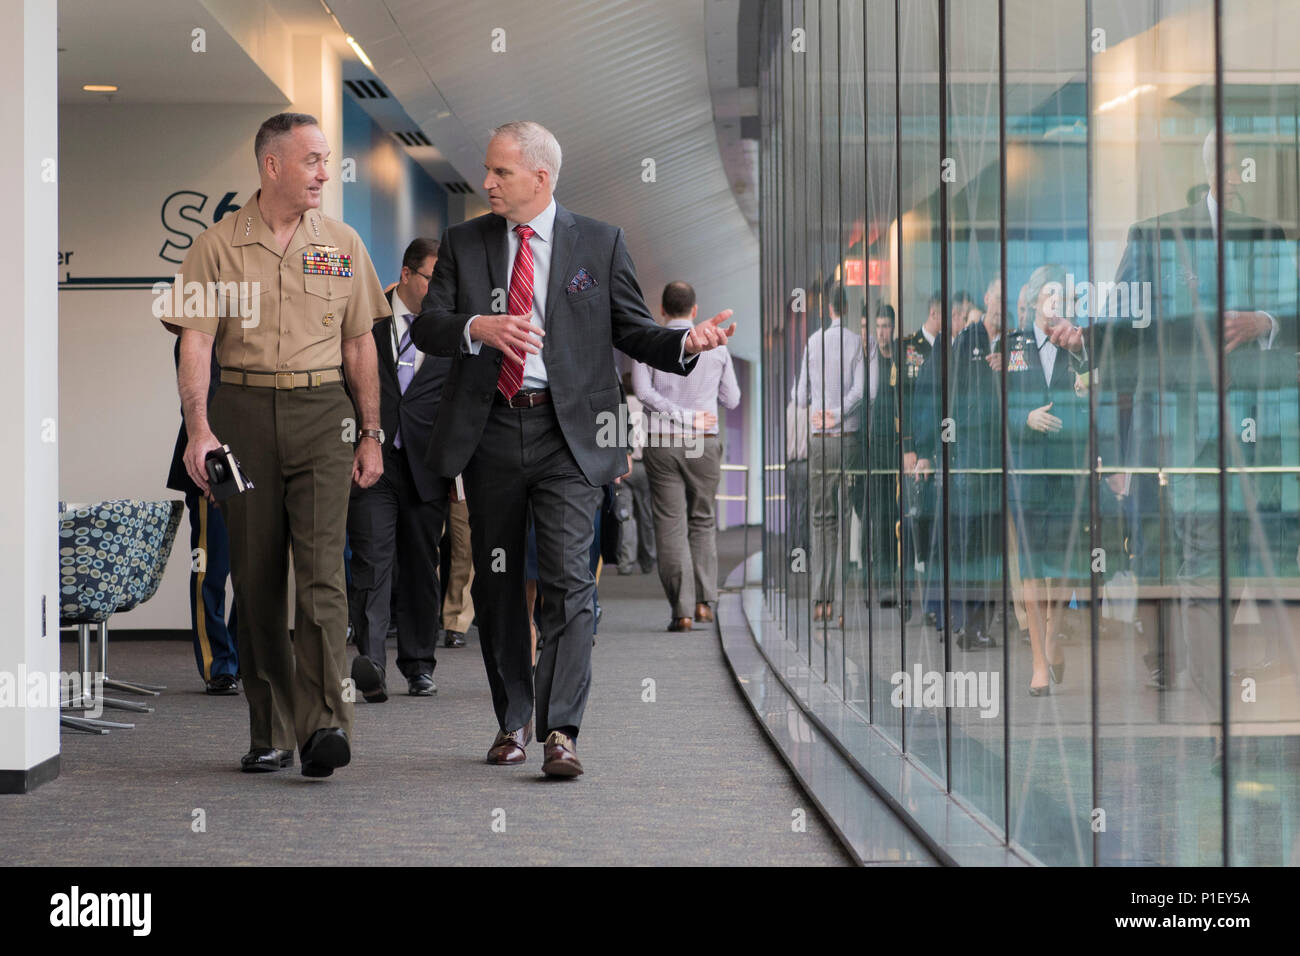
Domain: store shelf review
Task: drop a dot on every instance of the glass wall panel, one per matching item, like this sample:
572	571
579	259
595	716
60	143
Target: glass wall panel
923	351
884	546
976	522
1032	390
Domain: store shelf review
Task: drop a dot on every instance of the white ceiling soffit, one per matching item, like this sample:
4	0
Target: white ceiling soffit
147	49
618	83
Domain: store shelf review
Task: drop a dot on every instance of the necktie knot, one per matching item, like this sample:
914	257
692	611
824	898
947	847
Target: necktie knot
525	232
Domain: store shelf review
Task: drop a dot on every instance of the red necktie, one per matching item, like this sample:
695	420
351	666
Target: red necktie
521	303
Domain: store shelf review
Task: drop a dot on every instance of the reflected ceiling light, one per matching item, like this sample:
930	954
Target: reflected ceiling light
361	54
1125	98
99	88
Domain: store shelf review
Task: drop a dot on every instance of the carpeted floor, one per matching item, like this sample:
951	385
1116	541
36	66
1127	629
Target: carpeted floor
686	779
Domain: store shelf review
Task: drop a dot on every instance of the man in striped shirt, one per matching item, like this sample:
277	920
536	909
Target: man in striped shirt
683	459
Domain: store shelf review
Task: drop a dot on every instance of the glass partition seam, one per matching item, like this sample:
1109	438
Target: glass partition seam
1002	403
868	569
898	395
1094	508
1225	617
943	376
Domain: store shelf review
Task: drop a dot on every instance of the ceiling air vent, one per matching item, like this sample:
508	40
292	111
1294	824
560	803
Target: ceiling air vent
366	89
461	189
413	138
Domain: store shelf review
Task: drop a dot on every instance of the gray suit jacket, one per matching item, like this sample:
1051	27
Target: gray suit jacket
583	327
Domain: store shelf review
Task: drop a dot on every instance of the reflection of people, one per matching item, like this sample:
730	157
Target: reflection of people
683	459
796	472
1167	363
528	425
831	385
878	498
283	410
975	496
400	517
1047	425
920	417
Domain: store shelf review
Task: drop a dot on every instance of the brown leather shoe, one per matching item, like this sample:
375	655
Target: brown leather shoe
703	613
508	748
561	756
680	624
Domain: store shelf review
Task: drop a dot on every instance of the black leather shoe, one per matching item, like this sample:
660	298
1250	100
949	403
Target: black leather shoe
325	751
977	641
369	680
223	685
265	760
453	639
422	685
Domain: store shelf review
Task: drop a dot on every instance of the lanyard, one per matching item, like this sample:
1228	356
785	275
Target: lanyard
397	352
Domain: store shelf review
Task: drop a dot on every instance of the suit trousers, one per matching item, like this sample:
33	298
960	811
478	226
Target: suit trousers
389	522
291	444
643	511
215	649
686	536
458	605
825	481
523	459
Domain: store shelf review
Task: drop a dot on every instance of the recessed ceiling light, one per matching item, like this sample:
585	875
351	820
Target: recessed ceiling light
361	54
100	88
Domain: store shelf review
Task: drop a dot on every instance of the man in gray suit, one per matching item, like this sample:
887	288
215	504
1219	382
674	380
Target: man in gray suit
528	426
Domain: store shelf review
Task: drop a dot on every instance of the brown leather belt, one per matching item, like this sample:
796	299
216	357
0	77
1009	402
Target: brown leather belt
523	399
282	380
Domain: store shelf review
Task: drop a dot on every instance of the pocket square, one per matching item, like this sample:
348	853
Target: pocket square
580	282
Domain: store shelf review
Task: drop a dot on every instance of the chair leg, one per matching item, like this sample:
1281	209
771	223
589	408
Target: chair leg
82	700
90	725
113	703
130	687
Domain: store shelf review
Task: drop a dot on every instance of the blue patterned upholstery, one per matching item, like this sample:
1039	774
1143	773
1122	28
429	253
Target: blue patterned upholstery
149	559
96	546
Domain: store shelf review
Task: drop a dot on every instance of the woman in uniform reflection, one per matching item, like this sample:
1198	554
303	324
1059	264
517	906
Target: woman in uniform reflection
1047	426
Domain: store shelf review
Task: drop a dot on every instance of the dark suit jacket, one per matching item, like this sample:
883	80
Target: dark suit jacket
582	330
1164	374
1027	389
178	479
414	412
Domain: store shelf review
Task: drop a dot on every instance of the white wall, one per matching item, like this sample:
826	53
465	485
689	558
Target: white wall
29	402
117	383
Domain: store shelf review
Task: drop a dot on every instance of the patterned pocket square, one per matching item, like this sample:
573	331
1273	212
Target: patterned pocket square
580	282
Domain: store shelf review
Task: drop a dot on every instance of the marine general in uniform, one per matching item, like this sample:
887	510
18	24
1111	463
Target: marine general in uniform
295	298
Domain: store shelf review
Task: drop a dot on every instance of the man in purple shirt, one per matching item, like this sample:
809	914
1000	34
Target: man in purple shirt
683	459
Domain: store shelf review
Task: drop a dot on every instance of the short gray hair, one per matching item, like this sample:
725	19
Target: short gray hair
1039	279
539	147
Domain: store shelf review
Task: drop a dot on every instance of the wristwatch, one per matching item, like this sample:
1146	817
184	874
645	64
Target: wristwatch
376	433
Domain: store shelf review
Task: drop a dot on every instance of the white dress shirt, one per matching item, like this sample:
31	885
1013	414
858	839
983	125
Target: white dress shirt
543	226
1046	353
400	310
831	377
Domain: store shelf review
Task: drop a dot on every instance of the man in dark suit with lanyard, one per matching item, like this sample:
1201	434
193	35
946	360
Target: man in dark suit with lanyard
400	516
528	425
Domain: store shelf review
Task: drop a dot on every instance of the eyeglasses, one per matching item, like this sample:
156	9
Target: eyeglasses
426	278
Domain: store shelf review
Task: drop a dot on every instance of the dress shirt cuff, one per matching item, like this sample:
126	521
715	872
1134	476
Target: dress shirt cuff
471	346
681	356
1272	332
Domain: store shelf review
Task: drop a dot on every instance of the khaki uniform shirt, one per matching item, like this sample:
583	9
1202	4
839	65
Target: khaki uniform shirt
273	312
